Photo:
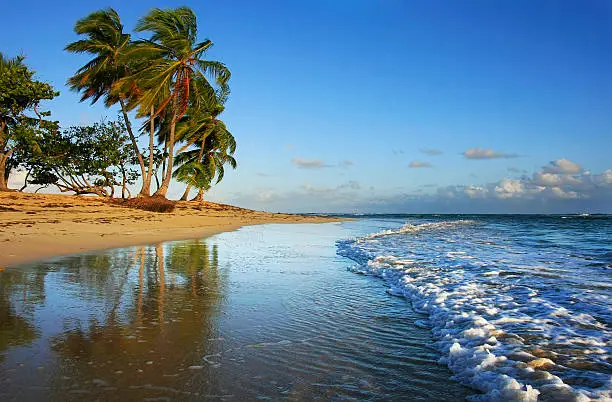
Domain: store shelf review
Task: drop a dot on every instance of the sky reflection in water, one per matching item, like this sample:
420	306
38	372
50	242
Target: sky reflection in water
266	311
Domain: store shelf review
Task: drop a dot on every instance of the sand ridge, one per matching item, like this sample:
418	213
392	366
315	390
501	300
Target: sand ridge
37	226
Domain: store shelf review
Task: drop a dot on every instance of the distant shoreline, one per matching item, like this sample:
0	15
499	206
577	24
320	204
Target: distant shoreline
39	226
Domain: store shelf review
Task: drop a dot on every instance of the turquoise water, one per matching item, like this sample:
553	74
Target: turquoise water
266	312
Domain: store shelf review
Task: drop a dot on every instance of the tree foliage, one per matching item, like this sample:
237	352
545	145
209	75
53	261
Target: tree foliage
22	125
87	160
209	146
103	38
172	74
164	77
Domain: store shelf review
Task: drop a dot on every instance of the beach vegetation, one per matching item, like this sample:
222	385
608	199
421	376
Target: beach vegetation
23	126
90	159
103	38
169	95
152	204
208	147
171	75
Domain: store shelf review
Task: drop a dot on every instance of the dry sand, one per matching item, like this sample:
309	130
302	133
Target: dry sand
37	226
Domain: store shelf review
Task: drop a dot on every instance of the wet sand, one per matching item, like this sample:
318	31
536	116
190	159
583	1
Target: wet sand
38	226
268	312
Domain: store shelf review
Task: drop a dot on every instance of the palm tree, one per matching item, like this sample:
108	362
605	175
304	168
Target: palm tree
174	75
106	41
198	124
200	167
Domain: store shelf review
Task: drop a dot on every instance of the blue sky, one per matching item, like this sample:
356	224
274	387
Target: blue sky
498	106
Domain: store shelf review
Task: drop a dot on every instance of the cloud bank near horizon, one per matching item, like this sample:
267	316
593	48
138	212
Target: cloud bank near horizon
561	186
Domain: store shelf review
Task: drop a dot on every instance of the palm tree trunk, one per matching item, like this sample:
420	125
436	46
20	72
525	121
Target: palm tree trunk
164	159
200	196
186	193
168	176
156	181
159	253
145	191
128	126
123	183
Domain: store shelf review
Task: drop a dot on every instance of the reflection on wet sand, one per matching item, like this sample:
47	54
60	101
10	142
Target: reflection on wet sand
277	316
25	289
135	322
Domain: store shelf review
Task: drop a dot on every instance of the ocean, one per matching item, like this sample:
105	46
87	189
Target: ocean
519	306
394	307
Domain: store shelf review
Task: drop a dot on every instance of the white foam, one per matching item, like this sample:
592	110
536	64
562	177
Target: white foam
495	331
412	228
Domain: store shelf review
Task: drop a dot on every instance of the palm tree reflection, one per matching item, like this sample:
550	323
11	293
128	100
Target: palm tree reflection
156	309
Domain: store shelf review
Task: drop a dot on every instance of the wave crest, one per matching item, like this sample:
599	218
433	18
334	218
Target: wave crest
413	228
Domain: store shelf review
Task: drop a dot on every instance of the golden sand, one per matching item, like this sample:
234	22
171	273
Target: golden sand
37	226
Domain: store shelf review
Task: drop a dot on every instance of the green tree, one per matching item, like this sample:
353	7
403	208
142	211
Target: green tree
202	166
86	160
175	73
195	130
107	42
20	95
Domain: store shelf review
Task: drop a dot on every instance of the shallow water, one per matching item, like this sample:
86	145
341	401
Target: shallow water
519	306
266	312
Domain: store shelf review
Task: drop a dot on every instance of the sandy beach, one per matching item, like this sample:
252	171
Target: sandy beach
37	226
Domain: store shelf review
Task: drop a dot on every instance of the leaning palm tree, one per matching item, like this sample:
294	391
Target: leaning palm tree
201	167
199	122
193	174
175	74
196	127
106	41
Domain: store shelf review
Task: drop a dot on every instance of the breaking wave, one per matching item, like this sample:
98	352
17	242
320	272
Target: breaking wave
412	228
513	316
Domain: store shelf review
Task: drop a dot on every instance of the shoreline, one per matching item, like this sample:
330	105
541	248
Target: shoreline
34	227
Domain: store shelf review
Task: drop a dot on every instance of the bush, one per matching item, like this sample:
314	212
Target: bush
153	204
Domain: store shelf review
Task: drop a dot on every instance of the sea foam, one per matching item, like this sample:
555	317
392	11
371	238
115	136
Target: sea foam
500	326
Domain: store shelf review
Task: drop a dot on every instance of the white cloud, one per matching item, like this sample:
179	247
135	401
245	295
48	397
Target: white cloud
557	191
481	153
508	188
540	192
547	179
308	163
476	191
562	165
555	179
565	184
607	177
418	164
